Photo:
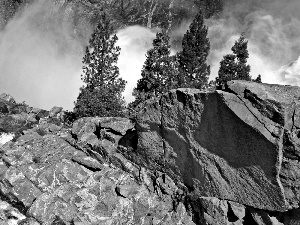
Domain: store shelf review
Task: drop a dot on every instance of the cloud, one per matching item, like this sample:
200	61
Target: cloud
40	57
272	28
41	48
134	42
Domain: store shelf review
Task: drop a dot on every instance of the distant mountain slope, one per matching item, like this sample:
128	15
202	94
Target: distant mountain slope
150	13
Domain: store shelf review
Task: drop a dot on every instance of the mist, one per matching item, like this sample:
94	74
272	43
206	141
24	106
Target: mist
41	48
40	57
41	52
134	42
272	28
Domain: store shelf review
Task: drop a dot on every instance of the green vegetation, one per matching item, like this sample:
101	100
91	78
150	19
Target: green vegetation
102	93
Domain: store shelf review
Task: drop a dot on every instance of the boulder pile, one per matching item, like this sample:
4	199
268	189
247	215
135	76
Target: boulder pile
191	157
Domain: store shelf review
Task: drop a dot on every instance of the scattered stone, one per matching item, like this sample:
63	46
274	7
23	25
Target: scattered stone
8	98
191	157
5	137
54	112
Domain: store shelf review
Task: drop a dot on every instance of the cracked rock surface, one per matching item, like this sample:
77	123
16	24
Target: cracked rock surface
240	144
191	157
67	176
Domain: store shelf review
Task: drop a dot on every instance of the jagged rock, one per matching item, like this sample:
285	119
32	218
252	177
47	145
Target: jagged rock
29	221
95	125
226	144
215	211
118	125
9	106
104	133
4	107
9	215
17	118
88	162
8	98
44	128
40	113
54	183
55	112
5	137
16	123
263	218
224	157
292	217
238	210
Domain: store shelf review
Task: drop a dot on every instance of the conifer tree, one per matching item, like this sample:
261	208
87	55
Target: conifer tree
234	66
158	73
258	79
241	52
227	69
102	93
194	71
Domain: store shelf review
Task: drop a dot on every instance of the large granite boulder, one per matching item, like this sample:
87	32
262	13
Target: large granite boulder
240	144
104	133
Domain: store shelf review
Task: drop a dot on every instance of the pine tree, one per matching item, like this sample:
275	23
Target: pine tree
258	79
241	52
102	93
227	69
234	66
194	71
158	73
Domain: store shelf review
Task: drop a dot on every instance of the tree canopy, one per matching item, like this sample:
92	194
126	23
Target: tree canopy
194	71
234	66
162	72
102	93
159	70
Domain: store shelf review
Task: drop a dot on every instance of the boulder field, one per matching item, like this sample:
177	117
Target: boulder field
190	157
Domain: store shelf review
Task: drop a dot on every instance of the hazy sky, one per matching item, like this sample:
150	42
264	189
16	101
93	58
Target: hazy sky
41	52
272	28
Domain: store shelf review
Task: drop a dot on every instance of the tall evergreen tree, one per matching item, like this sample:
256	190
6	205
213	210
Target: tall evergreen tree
234	66
194	71
258	79
227	69
102	93
158	73
240	49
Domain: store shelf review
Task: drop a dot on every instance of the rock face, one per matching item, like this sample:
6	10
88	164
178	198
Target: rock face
7	98
220	157
241	144
42	176
52	174
18	117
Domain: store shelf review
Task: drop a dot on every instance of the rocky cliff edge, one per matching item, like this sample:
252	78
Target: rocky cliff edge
223	157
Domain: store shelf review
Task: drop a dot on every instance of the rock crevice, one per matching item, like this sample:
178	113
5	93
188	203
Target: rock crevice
191	157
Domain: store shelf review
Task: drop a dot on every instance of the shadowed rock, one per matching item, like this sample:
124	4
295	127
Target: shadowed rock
190	157
227	144
52	182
